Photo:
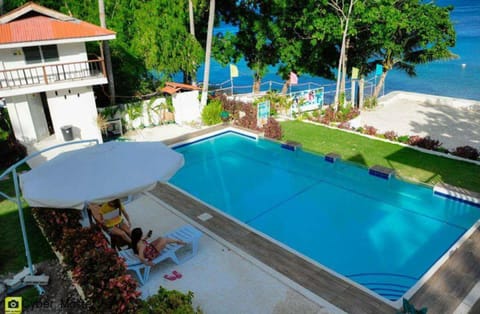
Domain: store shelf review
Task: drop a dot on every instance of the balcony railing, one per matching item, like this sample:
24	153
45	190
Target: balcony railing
51	73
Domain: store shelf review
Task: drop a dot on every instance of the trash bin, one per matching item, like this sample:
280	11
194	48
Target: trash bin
67	132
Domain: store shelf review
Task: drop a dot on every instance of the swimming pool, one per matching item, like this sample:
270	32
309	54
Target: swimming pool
383	234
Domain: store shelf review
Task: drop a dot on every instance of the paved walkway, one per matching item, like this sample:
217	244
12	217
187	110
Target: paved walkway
454	122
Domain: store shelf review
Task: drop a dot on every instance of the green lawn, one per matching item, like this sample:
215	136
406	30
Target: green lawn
12	252
408	163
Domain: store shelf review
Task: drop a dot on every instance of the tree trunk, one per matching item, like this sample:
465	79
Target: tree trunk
208	52
191	79
190	15
379	86
106	53
344	71
361	86
256	84
342	53
285	87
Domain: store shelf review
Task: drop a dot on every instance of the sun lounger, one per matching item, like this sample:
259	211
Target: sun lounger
177	253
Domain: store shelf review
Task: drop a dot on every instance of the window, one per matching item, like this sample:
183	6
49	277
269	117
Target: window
40	54
50	53
32	55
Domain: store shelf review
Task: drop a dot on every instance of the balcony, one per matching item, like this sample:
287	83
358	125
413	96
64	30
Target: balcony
51	77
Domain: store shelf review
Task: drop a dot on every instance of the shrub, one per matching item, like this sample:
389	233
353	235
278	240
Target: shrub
273	129
424	142
249	120
466	152
169	302
391	135
55	222
403	139
328	116
345	125
370	102
211	113
369	130
442	149
346	113
231	106
413	140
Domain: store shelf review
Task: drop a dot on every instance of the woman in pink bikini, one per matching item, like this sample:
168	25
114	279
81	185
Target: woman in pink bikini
147	251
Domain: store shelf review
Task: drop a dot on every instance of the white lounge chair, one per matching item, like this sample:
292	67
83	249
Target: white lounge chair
187	234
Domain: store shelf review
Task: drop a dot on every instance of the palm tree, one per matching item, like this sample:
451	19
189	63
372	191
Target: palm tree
208	52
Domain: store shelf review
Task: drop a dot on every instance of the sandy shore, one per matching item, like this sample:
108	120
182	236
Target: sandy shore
454	122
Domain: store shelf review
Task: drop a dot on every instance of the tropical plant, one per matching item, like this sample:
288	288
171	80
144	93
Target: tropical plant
466	152
391	135
272	129
249	118
369	130
102	122
389	35
169	301
133	111
211	113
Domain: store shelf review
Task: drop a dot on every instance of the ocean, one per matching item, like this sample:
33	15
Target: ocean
455	78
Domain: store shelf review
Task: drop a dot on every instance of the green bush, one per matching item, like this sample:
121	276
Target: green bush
403	139
172	301
370	102
211	113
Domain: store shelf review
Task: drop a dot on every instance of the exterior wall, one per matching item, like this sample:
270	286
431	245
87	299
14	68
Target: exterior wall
38	116
21	119
75	107
187	107
13	57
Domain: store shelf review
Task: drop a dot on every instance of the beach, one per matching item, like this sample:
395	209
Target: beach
453	121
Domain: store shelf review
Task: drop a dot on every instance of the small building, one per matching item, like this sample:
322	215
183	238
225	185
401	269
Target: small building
46	76
185	101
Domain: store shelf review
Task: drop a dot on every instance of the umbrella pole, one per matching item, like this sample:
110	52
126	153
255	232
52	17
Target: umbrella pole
24	231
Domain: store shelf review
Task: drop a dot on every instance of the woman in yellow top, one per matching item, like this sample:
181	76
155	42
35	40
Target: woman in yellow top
110	215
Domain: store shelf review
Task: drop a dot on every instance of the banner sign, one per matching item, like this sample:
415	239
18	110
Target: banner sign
307	100
263	113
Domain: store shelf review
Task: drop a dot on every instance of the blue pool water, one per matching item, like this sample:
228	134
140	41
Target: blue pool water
382	234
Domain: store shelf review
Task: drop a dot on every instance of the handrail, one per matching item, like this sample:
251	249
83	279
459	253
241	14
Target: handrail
18	201
50	73
52	64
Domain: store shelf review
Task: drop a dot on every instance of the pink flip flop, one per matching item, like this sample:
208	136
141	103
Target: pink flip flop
170	277
177	274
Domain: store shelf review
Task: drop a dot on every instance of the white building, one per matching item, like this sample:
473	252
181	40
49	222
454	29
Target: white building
46	76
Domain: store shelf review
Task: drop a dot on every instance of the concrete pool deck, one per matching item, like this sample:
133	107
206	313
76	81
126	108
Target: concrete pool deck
221	276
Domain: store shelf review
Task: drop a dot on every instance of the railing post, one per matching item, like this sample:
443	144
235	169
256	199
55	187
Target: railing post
103	68
44	74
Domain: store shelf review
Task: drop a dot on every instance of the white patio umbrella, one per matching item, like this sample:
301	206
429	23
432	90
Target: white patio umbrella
99	173
96	174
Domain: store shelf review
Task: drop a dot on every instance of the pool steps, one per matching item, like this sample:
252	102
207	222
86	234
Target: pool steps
381	172
292	146
458	194
332	157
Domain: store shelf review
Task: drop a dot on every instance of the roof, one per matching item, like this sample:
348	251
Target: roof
172	88
32	22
